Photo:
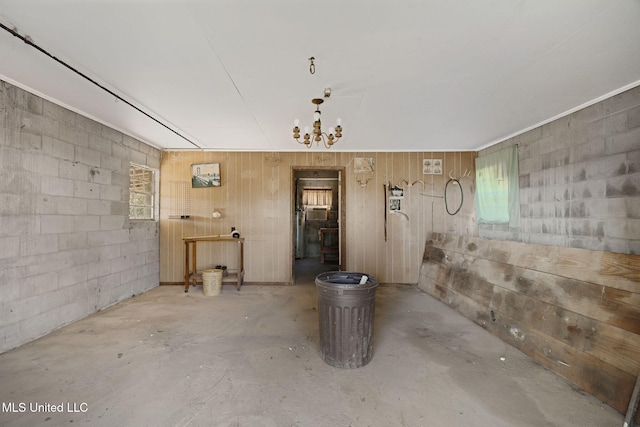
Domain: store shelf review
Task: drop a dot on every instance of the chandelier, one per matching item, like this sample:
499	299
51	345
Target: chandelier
316	134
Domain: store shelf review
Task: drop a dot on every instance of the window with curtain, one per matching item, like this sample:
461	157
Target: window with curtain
317	197
497	188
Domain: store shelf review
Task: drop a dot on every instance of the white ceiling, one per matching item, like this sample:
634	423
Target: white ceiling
406	75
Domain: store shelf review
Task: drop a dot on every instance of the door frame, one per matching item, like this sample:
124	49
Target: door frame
342	215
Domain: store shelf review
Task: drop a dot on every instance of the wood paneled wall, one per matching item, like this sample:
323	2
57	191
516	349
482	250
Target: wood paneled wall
256	198
575	311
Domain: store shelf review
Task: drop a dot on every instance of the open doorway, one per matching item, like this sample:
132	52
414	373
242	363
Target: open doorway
317	222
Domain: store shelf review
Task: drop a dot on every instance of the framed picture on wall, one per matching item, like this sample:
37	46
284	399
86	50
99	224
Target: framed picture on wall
432	166
395	204
205	175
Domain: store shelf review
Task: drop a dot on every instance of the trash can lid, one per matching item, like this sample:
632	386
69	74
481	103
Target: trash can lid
345	280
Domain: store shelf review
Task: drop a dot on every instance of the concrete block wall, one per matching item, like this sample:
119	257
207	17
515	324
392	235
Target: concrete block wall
580	179
67	247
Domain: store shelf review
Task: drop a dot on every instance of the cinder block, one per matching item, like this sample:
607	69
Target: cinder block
130	142
111	134
19	182
40	164
39	325
623	101
111	192
10	336
9	247
100	176
110	163
57	148
29	141
10	279
118	293
86	190
108	252
617	228
120	179
86	222
55	224
530	136
121	152
39	124
119	264
152	257
71	206
9	204
120	208
555	159
87	156
38	244
616	207
87	125
55	186
14	225
99	269
110	237
129	248
547	145
74	311
70	241
99	207
58	113
10	158
112	222
595	130
153	160
633	207
623	142
138	157
129	275
45	264
612	244
38	285
100	143
615	123
72	276
73	170
74	136
532	164
589	114
625	185
21	98
633	118
589	150
547	239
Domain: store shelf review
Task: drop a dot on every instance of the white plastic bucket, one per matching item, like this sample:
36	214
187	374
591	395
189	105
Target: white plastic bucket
211	282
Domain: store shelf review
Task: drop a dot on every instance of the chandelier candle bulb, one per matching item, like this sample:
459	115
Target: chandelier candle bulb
328	138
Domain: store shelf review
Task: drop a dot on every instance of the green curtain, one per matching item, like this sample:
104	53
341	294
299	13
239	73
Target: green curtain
497	188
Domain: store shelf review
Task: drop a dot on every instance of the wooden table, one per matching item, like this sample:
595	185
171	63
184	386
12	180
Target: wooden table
191	273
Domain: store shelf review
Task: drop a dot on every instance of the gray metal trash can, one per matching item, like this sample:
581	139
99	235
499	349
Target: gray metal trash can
346	310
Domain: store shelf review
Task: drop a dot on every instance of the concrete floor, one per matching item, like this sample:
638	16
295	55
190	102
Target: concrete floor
250	358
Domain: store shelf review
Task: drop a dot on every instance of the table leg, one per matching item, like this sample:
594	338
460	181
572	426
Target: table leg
194	259
186	266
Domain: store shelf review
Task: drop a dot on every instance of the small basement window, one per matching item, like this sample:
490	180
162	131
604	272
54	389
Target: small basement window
142	192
